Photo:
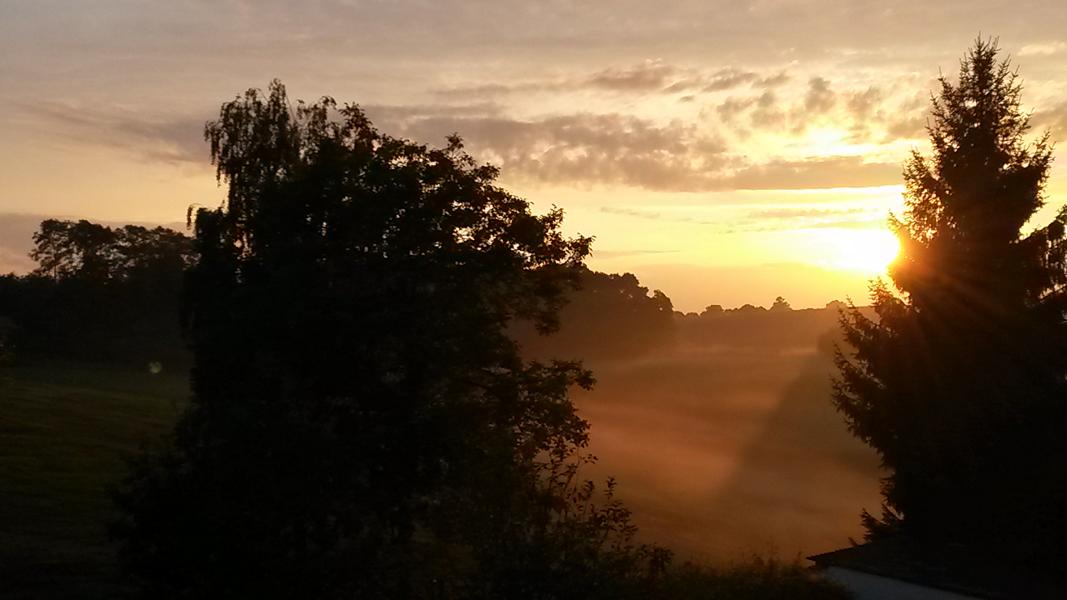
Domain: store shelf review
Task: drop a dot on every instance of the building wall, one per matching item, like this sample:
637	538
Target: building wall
875	587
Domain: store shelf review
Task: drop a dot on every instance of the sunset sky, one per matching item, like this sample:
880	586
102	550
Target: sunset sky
724	152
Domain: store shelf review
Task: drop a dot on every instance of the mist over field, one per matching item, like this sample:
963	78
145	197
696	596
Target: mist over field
721	432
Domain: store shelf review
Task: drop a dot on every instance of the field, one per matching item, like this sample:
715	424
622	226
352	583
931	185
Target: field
724	443
729	452
63	432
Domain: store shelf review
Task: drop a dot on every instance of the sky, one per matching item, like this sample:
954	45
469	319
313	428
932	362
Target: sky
724	152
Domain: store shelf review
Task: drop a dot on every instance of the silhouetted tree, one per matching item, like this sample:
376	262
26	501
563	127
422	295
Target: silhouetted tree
608	315
362	425
65	249
100	292
959	382
712	310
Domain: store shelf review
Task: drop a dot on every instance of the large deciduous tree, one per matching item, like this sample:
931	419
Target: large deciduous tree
959	382
361	424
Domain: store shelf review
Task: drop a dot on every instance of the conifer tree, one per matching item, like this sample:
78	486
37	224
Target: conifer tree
958	383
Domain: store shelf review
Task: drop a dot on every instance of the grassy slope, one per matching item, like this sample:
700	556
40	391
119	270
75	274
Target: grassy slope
63	432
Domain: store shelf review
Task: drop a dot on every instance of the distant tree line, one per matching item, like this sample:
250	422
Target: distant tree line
780	304
114	294
99	293
607	315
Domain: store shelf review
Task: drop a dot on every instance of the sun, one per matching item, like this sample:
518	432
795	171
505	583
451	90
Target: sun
868	251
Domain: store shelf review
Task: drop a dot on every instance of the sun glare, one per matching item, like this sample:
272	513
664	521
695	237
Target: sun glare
868	251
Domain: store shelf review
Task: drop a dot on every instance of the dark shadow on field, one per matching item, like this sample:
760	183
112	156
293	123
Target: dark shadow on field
804	477
727	444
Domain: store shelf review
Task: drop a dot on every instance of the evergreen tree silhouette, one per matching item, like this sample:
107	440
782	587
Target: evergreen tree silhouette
959	382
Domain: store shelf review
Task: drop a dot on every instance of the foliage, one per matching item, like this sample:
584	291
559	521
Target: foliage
780	304
99	293
959	382
93	252
757	578
362	425
608	315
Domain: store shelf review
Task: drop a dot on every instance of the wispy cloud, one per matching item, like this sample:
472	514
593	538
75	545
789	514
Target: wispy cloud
870	114
647	77
621	150
780	218
610	254
1054	119
1043	49
168	139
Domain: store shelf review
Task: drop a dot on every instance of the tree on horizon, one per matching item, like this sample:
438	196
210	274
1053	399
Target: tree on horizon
959	381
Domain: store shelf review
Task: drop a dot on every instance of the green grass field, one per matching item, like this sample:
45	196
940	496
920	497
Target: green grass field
64	430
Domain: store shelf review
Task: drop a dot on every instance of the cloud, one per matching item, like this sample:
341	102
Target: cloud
820	172
168	139
650	76
756	112
772	219
1053	119
906	128
583	149
764	112
724	79
869	115
772	81
797	213
813	218
656	216
631	212
865	104
610	254
387	112
1044	49
621	150
647	76
819	98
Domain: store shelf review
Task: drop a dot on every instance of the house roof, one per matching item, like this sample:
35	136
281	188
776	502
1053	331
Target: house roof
945	569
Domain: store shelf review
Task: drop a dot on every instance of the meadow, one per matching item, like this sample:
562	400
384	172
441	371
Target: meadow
730	451
723	440
64	430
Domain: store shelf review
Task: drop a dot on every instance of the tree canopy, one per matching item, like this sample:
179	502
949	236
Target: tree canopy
362	425
608	315
97	253
959	381
100	293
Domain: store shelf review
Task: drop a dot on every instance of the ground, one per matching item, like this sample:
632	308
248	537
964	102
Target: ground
725	446
64	430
